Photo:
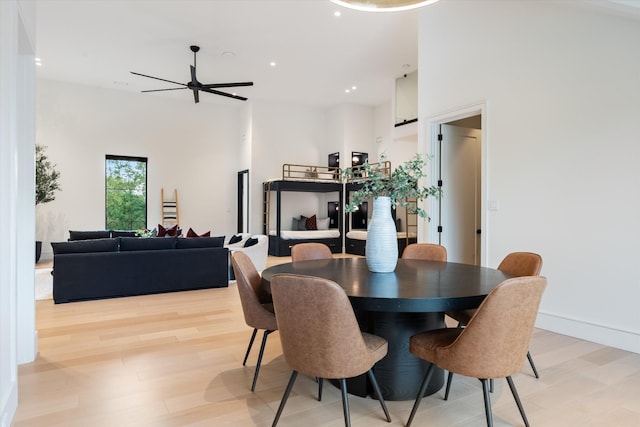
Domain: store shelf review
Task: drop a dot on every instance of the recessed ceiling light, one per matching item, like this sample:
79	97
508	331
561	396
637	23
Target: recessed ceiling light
337	13
347	91
354	87
272	63
228	54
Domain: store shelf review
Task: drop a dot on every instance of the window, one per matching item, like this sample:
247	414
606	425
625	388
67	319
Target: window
126	192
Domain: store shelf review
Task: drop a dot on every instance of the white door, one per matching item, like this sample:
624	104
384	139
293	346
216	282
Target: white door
461	189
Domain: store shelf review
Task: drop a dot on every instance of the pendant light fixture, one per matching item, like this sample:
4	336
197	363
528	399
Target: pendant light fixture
383	5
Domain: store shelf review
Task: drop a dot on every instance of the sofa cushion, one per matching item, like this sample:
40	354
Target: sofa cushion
123	233
250	242
82	246
191	233
147	243
202	242
86	235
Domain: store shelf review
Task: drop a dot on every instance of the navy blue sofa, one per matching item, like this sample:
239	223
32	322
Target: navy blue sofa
128	266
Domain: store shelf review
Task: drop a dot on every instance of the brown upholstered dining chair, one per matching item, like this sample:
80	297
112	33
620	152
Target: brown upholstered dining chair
310	251
492	345
425	251
256	305
517	264
320	335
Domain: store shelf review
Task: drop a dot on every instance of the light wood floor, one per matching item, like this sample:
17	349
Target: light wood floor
176	360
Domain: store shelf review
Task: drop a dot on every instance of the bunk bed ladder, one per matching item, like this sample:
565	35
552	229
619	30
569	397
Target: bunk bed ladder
266	204
411	219
169	209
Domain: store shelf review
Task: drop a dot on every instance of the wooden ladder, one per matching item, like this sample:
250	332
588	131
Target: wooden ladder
266	206
170	215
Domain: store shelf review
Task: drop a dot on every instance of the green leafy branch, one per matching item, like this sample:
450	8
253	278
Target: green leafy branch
401	185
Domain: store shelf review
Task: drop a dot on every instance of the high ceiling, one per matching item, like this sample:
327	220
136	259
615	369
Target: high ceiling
318	55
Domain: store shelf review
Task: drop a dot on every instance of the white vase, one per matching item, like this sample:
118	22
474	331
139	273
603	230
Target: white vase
382	241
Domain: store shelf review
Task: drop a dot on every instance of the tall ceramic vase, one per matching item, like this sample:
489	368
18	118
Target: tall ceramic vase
382	242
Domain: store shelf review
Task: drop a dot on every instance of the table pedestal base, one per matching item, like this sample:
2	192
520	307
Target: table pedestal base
400	373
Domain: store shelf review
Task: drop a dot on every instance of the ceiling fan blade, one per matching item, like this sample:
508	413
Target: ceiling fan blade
196	96
229	95
162	90
194	80
158	78
215	85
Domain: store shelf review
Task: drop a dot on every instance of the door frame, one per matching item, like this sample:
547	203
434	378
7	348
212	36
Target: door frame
428	145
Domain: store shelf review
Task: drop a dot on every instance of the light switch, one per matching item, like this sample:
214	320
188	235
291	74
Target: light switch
493	205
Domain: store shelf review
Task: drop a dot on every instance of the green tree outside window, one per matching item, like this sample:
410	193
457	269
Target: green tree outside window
126	193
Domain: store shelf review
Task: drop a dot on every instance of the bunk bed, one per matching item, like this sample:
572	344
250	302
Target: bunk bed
356	223
305	179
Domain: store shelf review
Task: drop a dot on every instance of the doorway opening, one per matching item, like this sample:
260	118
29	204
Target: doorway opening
243	201
457	145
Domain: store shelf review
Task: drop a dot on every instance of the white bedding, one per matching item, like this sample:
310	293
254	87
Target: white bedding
307	234
362	234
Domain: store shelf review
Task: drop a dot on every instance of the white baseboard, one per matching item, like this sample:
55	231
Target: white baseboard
9	403
612	337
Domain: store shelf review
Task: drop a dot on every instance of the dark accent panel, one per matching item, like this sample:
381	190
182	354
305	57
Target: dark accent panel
358	247
282	247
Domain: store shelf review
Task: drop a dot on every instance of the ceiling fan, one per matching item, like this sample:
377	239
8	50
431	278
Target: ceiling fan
196	86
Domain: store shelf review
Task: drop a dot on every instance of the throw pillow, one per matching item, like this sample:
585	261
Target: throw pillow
323	223
87	235
310	223
191	233
123	233
302	223
250	242
171	231
236	238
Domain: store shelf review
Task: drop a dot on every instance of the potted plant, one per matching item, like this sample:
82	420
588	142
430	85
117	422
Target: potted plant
46	183
388	189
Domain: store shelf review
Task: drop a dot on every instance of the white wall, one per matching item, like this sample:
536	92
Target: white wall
194	148
560	81
283	133
17	195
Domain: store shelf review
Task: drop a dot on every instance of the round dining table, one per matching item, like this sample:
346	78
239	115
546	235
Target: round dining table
397	305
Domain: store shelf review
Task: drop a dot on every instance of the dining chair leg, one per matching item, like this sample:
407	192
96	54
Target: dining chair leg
490	385
512	386
449	379
376	389
264	342
423	388
533	366
253	337
285	396
345	402
320	382
487	402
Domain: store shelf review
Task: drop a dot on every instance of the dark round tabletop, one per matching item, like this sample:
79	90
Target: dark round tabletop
414	286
